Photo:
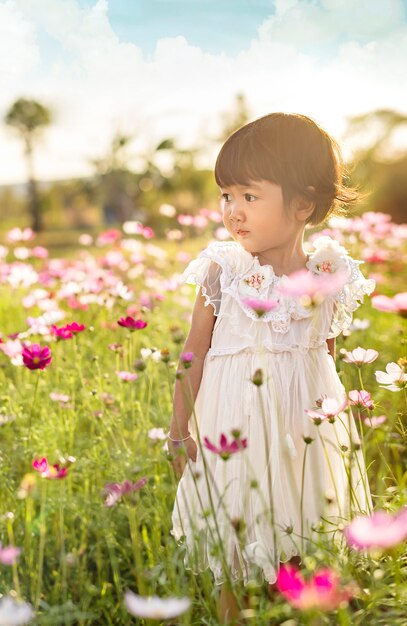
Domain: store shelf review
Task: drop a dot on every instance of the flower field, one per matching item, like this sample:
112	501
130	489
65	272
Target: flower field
90	349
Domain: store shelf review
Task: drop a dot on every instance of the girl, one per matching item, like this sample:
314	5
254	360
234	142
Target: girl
259	495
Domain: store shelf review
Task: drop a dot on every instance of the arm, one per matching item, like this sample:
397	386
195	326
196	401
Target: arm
331	347
198	342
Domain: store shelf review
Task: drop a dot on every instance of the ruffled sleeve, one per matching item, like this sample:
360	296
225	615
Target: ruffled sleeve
209	271
349	298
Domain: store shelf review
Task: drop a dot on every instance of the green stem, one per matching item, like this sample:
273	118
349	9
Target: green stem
41	551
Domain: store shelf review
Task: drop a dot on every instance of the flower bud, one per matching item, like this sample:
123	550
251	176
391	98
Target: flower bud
258	377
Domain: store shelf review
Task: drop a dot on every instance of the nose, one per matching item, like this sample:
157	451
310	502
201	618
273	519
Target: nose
235	212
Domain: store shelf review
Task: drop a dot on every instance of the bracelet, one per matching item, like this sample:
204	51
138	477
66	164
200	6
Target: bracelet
177	440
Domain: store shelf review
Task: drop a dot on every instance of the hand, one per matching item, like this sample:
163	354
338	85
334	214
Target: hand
180	452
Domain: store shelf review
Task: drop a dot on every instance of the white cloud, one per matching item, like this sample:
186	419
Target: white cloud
327	21
95	83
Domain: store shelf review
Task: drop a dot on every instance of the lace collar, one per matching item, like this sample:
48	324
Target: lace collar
257	281
328	256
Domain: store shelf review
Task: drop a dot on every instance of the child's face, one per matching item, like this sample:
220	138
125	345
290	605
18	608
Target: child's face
258	209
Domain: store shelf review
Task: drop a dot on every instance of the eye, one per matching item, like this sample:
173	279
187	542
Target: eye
222	197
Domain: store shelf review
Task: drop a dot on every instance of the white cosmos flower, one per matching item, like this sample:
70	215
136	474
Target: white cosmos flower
359	324
145	352
14	613
157	433
393	379
359	356
154	607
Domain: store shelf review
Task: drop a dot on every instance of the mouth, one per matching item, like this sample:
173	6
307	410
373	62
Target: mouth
241	233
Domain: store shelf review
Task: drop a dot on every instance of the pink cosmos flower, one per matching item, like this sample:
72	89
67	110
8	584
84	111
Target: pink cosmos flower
17	234
8	554
397	304
361	399
49	471
59	397
127	376
375	422
261	306
359	356
130	323
39	252
321	592
35	357
108	237
330	407
13	349
379	530
115	491
225	448
311	288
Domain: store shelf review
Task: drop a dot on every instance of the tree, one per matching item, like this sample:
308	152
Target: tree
378	166
237	117
29	118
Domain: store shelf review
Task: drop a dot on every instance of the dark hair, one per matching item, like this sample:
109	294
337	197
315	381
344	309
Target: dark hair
293	151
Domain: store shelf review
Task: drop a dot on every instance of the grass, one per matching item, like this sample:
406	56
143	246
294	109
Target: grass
79	556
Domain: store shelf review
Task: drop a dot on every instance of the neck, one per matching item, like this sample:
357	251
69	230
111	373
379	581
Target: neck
284	261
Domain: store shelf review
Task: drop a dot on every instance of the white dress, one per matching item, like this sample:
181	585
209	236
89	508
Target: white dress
267	497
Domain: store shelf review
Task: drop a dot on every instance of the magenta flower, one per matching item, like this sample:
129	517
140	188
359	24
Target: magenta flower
115	491
225	448
359	356
186	357
35	357
131	323
321	592
49	471
61	333
74	327
8	554
260	307
379	530
311	288
330	407
397	304
361	399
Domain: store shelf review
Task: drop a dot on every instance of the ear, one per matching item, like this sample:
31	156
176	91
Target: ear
304	206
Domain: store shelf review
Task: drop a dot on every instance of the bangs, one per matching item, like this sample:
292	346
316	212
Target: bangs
245	158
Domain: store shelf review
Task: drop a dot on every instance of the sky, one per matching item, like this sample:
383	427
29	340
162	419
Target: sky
161	68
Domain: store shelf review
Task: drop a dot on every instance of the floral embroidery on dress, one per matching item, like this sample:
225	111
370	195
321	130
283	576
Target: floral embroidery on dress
255	281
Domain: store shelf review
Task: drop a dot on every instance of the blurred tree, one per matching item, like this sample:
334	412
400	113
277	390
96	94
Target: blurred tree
238	116
29	118
114	177
378	166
